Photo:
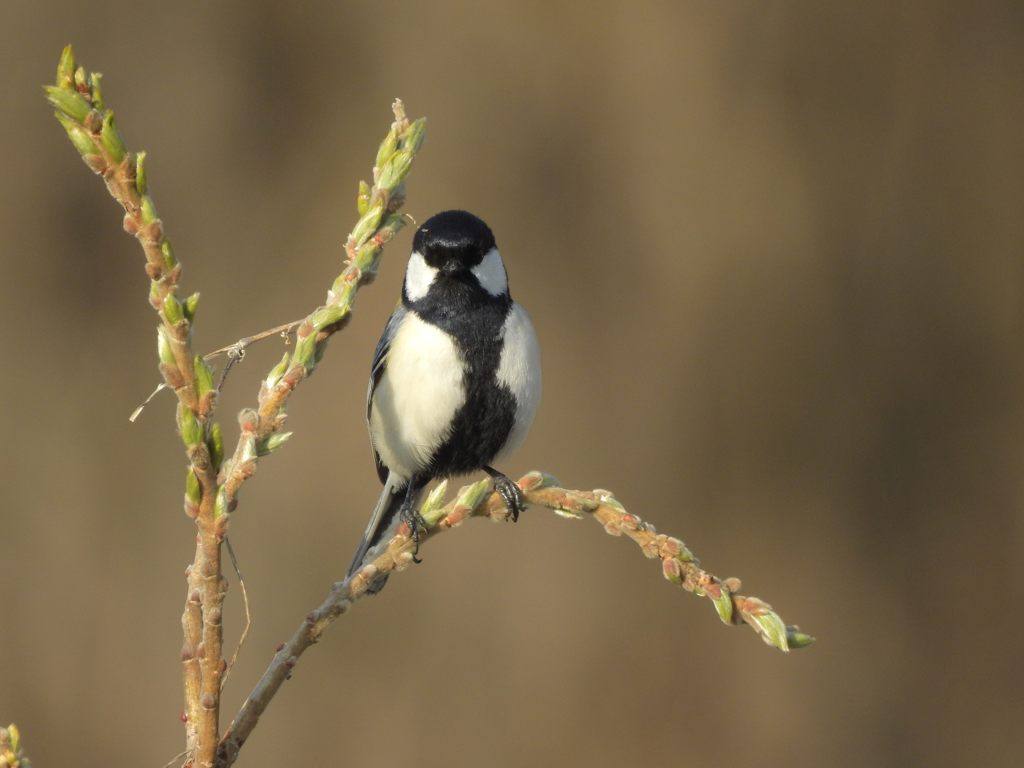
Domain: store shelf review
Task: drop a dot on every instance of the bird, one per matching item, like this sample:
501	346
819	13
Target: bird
456	377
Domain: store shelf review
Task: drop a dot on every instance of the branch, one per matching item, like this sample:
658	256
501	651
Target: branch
678	565
380	220
90	126
212	484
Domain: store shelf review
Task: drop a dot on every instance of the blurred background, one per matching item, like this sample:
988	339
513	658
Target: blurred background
774	255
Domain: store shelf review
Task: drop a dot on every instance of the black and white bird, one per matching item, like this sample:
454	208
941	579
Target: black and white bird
456	376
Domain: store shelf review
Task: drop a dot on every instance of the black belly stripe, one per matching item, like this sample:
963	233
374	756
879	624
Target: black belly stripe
482	425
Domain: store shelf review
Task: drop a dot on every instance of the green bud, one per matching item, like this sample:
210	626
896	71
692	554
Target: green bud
80	138
188	424
111	139
396	169
387	148
97	91
368	224
216	445
204	376
190	305
277	372
163	346
81	78
70	103
329	315
797	639
141	183
367	255
430	510
168	252
723	605
172	309
474	494
435	500
272	443
192	492
363	198
148	210
66	67
413	137
392	224
770	627
305	349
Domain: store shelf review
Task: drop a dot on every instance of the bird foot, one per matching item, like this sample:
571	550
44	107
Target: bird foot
411	517
510	493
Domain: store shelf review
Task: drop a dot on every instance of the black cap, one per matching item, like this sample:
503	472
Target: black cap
457	234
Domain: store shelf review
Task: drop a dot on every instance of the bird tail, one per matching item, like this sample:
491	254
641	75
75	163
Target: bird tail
384	518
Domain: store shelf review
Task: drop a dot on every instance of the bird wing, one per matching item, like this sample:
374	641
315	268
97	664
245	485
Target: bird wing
380	357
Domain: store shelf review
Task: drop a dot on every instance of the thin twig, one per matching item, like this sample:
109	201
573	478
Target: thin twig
138	411
248	614
479	500
235	352
175	759
241	344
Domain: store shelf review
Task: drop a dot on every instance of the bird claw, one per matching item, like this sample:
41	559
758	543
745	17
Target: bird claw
511	494
411	517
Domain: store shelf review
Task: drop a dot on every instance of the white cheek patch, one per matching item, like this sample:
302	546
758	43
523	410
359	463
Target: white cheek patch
418	277
490	273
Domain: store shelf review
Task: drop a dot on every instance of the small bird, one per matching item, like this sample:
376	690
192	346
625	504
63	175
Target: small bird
455	379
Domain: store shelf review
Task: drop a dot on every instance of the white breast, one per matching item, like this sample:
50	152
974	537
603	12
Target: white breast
417	396
519	370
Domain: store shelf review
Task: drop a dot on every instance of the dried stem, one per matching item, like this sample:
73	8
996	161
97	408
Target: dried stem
678	565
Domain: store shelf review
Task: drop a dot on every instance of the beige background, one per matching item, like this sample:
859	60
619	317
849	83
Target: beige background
774	254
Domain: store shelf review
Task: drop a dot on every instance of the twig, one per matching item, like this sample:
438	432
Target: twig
378	206
242	344
248	614
142	406
175	759
678	565
235	352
